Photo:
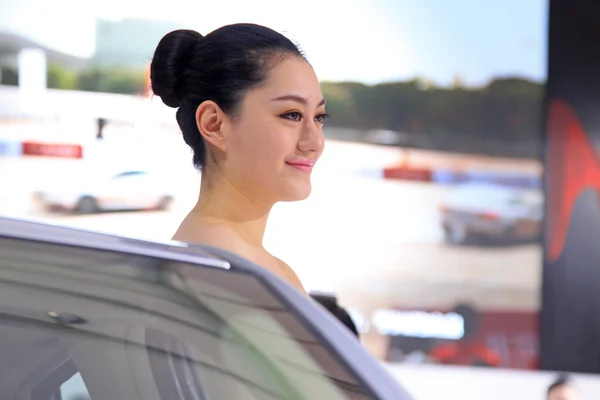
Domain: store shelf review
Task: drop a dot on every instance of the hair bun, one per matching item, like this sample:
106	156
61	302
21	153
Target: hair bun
170	59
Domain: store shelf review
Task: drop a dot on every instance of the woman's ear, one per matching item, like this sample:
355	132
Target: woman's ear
209	119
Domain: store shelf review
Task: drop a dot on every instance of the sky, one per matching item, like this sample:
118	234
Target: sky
374	41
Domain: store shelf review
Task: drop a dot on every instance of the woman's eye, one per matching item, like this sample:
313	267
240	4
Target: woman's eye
321	118
293	116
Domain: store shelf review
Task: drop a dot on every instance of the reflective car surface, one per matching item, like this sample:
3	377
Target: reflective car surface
90	316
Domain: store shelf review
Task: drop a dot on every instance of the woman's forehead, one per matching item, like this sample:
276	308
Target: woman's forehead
292	79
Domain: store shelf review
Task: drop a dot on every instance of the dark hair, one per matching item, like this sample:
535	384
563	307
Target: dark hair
188	69
471	319
561	380
331	305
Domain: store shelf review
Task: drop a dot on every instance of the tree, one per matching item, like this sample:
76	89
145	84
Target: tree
112	80
9	77
502	118
60	77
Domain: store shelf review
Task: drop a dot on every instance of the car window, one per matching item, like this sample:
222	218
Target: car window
129	174
89	324
528	199
74	388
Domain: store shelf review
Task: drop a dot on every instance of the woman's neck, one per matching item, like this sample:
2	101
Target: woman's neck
222	202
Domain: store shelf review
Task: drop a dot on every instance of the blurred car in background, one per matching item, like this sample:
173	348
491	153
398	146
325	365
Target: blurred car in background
491	211
88	192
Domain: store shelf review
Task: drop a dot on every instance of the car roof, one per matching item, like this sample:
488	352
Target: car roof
336	336
40	231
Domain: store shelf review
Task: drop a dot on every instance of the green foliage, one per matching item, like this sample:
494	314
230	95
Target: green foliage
96	79
112	80
9	77
502	118
59	77
508	106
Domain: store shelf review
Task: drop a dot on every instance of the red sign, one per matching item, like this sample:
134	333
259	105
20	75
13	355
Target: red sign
408	173
52	150
512	338
513	335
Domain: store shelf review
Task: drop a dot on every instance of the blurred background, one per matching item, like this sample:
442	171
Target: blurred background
426	213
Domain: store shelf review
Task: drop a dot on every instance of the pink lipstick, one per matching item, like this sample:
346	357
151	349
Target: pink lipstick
304	165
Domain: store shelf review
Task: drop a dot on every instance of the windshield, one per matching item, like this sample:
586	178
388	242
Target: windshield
81	324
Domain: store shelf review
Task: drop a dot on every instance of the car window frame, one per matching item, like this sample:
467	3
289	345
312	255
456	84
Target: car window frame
335	337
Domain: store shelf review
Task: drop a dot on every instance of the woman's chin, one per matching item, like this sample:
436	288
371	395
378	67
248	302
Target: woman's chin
297	193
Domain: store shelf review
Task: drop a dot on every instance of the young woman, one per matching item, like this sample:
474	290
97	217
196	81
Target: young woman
251	108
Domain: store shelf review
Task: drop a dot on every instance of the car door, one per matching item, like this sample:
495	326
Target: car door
102	317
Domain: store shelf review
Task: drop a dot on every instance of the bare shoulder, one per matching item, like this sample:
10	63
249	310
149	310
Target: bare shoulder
225	237
290	274
217	235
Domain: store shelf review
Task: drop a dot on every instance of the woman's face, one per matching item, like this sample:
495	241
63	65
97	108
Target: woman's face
278	135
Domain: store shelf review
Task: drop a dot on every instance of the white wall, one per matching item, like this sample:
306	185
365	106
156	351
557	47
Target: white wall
427	382
69	104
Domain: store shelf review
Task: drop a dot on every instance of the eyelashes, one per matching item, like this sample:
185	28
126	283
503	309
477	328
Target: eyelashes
298	116
321	118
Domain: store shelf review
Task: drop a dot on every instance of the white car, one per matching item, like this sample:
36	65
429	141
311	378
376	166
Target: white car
125	189
491	211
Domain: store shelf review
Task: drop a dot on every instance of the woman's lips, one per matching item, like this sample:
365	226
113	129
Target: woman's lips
302	165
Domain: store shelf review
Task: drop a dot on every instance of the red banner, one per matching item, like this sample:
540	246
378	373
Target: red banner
52	150
408	173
